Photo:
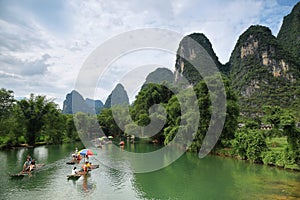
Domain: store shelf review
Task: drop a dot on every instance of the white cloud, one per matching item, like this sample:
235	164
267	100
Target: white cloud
43	46
25	67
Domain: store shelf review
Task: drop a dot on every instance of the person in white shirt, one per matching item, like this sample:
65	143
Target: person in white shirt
74	171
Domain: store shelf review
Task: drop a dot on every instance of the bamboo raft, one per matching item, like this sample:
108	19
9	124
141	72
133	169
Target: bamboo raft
21	174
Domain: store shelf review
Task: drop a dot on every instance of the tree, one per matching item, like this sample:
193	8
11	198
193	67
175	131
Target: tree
71	133
146	113
32	113
205	97
182	118
272	115
132	129
250	145
108	123
232	113
6	102
287	123
173	119
54	127
8	132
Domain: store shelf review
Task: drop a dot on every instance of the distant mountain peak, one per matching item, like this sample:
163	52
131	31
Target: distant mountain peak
75	103
117	97
190	50
159	76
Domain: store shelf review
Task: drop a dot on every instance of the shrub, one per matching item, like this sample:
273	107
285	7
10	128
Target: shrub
250	144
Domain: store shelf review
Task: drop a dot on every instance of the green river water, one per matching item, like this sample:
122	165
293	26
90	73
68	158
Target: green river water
187	178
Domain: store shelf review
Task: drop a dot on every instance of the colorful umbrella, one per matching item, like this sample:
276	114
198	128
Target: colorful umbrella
88	152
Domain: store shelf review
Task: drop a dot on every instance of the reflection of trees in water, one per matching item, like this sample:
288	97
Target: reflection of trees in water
41	153
20	155
188	178
4	164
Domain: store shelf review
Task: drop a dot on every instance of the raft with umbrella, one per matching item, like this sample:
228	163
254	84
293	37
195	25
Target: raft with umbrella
87	152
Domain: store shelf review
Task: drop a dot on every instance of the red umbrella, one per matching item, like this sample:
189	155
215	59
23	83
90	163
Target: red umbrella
87	152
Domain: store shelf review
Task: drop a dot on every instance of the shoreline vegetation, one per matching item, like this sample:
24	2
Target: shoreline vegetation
223	152
38	121
227	153
271	137
37	144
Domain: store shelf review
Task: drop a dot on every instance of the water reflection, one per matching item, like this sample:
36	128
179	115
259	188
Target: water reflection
187	178
41	153
20	156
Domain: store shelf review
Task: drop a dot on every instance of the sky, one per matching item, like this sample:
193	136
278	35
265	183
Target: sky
45	43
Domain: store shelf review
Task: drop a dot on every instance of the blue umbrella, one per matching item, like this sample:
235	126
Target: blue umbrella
87	152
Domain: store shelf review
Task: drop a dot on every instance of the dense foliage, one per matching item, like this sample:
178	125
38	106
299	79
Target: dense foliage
290	31
277	145
178	111
32	121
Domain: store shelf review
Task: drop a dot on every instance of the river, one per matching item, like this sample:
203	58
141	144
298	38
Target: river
187	178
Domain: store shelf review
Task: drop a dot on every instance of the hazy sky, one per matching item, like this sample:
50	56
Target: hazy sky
43	43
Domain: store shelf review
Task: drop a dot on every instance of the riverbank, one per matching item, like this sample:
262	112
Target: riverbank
229	153
37	144
271	158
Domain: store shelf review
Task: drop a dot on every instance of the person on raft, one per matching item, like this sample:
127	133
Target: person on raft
30	158
74	171
74	155
86	167
32	165
26	165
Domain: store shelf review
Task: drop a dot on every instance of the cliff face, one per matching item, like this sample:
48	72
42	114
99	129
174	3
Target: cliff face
96	105
117	97
262	71
188	49
289	34
74	103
